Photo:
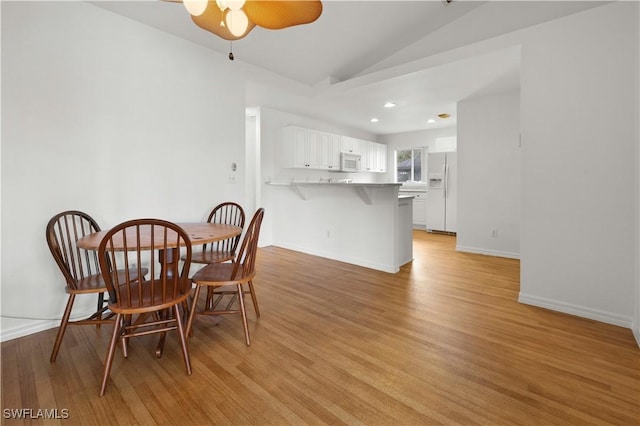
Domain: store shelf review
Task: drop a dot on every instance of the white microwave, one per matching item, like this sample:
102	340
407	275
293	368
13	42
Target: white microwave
349	162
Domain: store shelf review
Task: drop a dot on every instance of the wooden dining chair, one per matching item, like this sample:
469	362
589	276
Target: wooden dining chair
229	279
156	299
228	213
80	268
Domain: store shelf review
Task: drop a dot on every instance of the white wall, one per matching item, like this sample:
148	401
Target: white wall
102	114
579	246
252	162
579	135
636	325
421	138
489	175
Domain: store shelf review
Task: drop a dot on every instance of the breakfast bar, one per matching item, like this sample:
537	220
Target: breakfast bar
365	224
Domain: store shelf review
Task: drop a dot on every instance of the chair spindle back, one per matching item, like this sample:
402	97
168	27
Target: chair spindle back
246	259
63	232
153	244
229	213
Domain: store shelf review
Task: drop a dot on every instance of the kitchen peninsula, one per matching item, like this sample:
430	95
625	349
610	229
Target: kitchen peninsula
365	224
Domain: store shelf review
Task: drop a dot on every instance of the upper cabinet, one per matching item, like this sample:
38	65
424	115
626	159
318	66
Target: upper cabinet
374	157
329	150
313	149
297	151
310	149
351	145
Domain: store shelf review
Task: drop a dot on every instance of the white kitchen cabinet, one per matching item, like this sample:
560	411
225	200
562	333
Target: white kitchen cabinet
374	157
313	149
349	144
329	150
367	161
381	158
419	207
362	148
301	148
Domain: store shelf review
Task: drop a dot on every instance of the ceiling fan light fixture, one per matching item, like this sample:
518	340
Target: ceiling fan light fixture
237	22
235	4
196	7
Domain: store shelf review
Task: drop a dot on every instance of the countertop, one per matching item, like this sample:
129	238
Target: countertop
364	190
304	182
413	188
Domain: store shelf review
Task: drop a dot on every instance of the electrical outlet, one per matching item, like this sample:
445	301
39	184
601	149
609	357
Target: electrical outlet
494	233
232	178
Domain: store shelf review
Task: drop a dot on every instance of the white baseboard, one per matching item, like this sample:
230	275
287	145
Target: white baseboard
14	328
496	253
392	269
636	334
581	311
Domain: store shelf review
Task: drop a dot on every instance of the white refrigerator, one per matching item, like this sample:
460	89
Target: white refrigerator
442	192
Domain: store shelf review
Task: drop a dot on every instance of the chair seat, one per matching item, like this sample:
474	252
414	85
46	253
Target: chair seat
211	256
95	283
144	303
219	274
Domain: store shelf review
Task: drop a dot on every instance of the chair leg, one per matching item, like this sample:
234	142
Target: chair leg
63	327
185	311
254	299
163	315
244	314
209	302
126	322
117	330
183	339
99	308
192	311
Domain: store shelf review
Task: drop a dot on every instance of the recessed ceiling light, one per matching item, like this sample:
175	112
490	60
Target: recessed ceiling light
431	121
389	105
374	120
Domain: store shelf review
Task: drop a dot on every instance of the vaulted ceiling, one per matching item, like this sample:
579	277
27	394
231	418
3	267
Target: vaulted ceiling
360	54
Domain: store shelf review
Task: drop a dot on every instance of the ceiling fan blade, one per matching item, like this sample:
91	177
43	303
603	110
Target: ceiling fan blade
278	14
210	21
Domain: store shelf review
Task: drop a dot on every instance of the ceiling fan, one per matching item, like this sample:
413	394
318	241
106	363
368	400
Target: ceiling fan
234	19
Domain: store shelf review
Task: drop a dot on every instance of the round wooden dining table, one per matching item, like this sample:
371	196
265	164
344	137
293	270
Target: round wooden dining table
199	233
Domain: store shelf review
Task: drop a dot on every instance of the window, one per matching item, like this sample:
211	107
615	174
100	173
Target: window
409	165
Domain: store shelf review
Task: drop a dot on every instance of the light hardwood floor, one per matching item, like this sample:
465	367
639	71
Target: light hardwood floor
444	341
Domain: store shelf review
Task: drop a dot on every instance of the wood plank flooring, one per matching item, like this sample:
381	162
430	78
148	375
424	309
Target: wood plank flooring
443	342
